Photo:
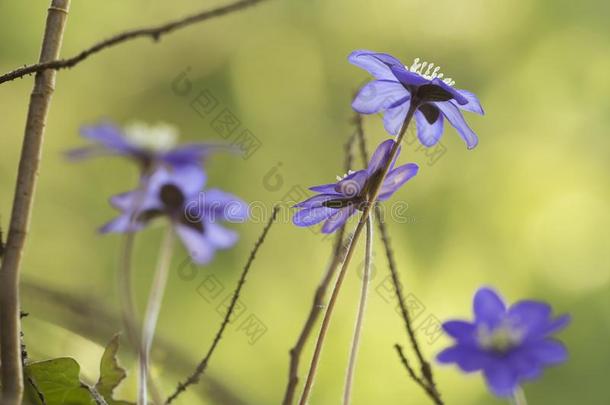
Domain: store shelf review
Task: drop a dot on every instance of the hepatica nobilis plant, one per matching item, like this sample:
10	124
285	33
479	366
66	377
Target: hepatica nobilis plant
149	146
171	189
508	344
421	90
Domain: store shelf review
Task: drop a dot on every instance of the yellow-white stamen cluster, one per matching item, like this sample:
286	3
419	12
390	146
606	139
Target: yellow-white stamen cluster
159	137
500	339
429	71
339	178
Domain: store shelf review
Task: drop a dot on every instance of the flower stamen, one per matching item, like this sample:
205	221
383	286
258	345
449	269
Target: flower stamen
429	71
160	137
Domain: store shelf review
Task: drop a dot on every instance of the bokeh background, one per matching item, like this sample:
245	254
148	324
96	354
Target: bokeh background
526	211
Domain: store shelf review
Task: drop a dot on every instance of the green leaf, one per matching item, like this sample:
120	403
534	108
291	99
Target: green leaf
58	380
111	373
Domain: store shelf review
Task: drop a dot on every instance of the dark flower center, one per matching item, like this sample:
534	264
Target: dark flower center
172	197
432	92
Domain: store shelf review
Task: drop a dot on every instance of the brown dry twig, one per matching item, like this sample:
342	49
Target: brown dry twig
155	33
196	375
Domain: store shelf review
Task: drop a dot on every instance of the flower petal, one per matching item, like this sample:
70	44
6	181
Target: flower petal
462	331
195	242
190	154
501	379
458	97
325	188
312	216
468	358
407	77
530	317
108	135
379	95
396	178
428	134
556	325
219	236
489	309
380	156
216	205
339	218
473	104
453	114
548	351
315	201
121	224
394	117
377	64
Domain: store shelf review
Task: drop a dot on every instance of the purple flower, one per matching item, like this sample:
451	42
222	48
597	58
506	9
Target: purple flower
509	345
194	214
339	201
149	146
398	87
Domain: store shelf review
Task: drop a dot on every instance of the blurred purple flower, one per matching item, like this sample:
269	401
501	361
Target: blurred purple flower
194	214
339	201
397	87
149	146
509	345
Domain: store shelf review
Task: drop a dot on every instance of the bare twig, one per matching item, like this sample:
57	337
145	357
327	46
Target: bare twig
40	99
425	367
199	370
338	255
155	33
430	390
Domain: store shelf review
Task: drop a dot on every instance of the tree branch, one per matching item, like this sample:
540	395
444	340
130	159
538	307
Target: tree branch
155	33
40	99
425	367
194	377
339	250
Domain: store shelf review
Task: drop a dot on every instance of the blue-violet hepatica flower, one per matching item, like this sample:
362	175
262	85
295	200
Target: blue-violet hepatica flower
339	201
509	345
194	214
397	88
148	146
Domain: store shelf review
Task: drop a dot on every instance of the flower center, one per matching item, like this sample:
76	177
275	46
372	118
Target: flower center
500	339
158	138
429	71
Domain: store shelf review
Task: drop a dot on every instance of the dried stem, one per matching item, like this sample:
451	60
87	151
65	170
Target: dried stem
361	309
430	390
40	99
338	255
425	367
155	33
199	370
152	313
367	211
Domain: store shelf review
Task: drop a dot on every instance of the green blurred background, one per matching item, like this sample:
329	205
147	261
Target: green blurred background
526	211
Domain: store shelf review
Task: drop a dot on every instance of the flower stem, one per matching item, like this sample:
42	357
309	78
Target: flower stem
152	312
333	298
361	308
519	397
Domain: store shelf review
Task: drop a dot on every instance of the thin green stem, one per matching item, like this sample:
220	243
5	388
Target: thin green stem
367	211
361	309
519	397
153	308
